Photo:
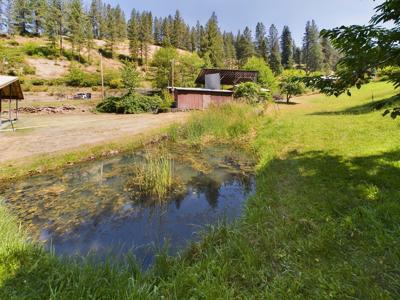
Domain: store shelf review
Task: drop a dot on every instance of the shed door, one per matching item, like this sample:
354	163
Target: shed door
206	101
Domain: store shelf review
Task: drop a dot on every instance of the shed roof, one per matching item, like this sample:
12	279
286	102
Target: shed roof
10	88
228	76
199	90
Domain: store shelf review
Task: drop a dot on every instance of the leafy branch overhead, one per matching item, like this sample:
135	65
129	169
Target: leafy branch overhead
365	50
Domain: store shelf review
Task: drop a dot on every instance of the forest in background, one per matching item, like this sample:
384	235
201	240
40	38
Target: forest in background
70	19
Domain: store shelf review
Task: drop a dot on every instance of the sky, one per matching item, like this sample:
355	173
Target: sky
234	15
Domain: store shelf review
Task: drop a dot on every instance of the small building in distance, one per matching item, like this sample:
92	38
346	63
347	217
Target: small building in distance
212	93
10	91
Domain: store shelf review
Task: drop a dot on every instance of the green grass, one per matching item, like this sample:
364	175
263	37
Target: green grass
154	177
324	222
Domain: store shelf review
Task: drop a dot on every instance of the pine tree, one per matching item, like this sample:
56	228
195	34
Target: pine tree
297	55
94	17
22	16
3	21
55	22
120	23
261	41
133	34
75	24
230	50
8	12
88	36
330	55
110	34
212	42
245	48
178	31
157	31
145	35
287	48
39	9
312	51
274	51
167	27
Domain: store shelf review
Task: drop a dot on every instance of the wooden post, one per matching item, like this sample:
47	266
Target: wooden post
1	112
16	109
102	77
173	73
9	109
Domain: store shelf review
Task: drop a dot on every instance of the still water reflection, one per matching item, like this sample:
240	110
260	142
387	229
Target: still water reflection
89	209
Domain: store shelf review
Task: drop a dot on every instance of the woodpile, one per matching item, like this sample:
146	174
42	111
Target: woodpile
46	109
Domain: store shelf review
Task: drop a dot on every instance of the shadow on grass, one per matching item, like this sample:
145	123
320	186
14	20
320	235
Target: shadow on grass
319	224
366	108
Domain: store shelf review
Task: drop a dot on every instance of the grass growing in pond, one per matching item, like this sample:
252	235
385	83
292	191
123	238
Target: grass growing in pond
154	176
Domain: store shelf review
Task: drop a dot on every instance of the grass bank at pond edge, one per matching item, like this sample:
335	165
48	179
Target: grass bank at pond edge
324	223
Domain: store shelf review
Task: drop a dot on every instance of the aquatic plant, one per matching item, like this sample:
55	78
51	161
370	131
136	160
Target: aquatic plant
154	177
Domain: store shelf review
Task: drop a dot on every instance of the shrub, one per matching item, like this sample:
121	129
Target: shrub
290	83
130	76
79	78
251	92
28	70
116	83
38	82
167	101
35	49
131	103
266	77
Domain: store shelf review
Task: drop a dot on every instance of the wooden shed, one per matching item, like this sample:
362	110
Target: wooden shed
197	98
212	79
10	90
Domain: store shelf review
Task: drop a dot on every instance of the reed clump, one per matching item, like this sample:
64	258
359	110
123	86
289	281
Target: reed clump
155	176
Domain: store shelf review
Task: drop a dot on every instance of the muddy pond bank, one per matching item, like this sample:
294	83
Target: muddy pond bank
93	208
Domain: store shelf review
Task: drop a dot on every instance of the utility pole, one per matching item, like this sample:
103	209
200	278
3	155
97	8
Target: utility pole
173	73
102	76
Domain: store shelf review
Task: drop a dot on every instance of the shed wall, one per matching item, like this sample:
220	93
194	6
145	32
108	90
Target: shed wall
187	101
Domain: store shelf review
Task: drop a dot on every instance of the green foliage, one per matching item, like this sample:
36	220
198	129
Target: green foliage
130	76
35	49
275	60
131	103
287	48
251	92
186	67
291	84
312	50
80	78
266	77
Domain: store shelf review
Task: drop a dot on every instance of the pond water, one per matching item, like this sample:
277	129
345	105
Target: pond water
88	209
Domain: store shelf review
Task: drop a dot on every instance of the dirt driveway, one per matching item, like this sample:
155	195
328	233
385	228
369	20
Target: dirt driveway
39	134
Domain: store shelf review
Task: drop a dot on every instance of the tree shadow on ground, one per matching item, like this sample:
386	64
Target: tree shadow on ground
336	220
365	108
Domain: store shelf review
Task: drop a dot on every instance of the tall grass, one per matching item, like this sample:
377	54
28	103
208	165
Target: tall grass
225	123
154	177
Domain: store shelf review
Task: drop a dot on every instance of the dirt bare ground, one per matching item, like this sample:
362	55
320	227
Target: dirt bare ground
44	134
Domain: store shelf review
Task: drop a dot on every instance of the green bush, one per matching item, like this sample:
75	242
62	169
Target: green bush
34	49
266	77
28	70
251	92
80	78
131	103
38	82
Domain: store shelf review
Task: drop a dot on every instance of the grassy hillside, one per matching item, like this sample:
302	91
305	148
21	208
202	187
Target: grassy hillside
324	222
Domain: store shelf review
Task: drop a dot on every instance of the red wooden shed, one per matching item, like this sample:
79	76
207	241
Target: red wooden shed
197	98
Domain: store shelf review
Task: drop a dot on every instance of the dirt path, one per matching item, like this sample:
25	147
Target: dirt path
42	134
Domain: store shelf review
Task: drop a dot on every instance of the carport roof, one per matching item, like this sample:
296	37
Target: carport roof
10	88
228	76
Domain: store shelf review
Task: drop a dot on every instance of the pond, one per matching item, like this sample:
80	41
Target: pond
90	209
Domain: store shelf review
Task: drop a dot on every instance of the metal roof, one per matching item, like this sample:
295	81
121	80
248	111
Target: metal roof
199	90
228	76
10	88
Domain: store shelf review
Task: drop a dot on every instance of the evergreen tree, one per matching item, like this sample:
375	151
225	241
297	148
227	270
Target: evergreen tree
193	40
230	50
111	33
75	24
274	51
330	55
120	23
55	22
296	54
312	51
88	36
95	16
145	35
133	34
167	27
287	48
245	48
22	16
39	9
3	21
212	42
261	41
8	12
157	31
178	31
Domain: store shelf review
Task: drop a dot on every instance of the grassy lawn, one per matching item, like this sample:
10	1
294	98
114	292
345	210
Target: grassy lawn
324	222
